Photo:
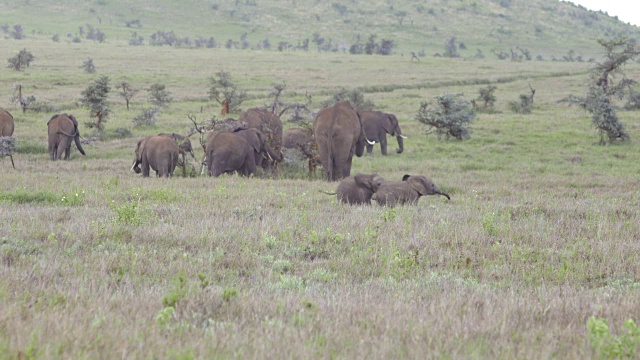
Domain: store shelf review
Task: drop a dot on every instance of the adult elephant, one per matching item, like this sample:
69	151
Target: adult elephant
301	139
158	152
377	125
407	191
63	128
184	147
237	151
339	134
270	125
7	124
357	189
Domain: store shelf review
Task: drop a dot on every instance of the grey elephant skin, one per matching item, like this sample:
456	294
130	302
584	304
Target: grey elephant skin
407	191
63	128
7	124
377	125
358	189
301	139
271	126
158	152
237	151
338	132
184	147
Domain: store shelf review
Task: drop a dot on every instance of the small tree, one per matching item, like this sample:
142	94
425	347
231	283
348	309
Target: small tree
487	97
88	66
450	117
602	88
524	106
24	58
95	98
127	92
17	32
451	48
159	96
222	88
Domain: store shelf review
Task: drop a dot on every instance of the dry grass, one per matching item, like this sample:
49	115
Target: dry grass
531	245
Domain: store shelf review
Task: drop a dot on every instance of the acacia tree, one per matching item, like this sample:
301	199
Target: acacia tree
95	98
603	88
222	89
450	116
24	58
127	92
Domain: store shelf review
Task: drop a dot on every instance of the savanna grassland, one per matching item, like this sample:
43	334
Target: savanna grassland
542	231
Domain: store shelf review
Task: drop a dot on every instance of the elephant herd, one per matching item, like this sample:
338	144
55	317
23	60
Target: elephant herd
337	133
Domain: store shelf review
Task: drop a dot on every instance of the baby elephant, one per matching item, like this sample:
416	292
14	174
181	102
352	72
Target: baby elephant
357	189
409	190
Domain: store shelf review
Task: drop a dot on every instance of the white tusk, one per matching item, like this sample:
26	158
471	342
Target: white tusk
371	142
133	166
402	136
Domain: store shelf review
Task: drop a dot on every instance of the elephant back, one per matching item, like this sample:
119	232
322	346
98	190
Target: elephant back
267	122
7	123
63	124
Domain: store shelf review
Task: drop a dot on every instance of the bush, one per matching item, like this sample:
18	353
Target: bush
487	97
355	97
88	66
24	58
159	96
148	117
450	117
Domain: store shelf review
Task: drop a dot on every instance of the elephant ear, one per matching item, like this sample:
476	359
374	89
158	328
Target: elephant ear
421	184
257	141
73	119
364	180
388	124
405	177
53	117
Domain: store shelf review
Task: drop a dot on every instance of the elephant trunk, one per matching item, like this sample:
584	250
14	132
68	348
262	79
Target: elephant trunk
400	139
273	155
136	166
443	194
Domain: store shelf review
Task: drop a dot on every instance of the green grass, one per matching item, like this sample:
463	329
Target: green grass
540	235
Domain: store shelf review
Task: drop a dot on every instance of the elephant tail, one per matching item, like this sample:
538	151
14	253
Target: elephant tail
78	145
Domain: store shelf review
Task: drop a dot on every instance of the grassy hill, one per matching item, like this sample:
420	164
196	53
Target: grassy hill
546	28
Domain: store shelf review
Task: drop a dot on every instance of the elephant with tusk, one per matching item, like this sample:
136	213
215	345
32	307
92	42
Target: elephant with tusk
377	125
407	191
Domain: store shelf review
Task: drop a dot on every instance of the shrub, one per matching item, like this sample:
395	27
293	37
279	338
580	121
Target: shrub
450	117
148	117
487	97
355	97
88	66
24	58
159	96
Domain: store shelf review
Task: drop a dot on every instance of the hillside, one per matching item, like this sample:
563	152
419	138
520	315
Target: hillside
547	29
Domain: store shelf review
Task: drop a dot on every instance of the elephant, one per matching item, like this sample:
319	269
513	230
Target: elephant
237	151
357	189
158	152
63	128
377	125
301	139
270	125
409	190
7	124
339	134
184	147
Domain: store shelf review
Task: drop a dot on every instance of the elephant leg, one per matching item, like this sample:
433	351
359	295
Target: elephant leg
250	165
369	149
67	152
53	150
145	167
383	145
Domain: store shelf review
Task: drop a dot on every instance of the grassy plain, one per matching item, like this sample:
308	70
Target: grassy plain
542	231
